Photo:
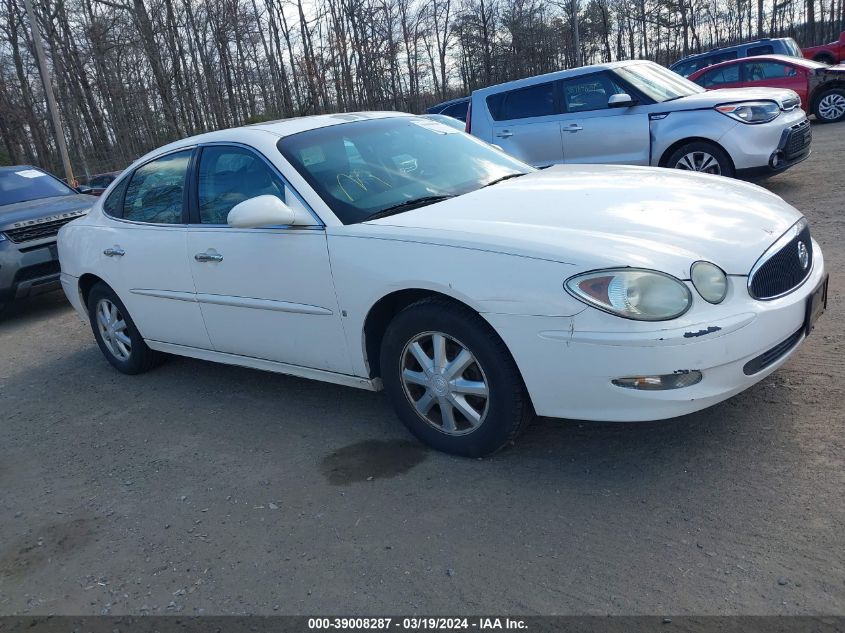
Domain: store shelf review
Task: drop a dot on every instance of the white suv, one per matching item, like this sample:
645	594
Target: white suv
639	113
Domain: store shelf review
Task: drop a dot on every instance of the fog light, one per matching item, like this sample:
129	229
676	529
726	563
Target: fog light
678	380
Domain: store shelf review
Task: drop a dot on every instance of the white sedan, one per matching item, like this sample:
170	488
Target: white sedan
387	250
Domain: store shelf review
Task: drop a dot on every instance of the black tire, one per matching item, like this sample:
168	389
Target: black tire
507	408
824	58
823	109
692	151
140	357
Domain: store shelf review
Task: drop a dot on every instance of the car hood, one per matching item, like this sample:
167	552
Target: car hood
785	98
44	210
604	215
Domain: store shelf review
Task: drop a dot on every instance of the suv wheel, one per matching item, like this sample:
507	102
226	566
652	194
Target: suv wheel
703	157
116	334
830	106
451	379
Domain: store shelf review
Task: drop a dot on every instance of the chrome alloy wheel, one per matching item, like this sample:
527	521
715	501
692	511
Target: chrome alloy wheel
445	383
112	327
832	106
699	161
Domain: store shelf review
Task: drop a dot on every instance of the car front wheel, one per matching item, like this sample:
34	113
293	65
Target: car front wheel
830	106
451	379
116	334
702	157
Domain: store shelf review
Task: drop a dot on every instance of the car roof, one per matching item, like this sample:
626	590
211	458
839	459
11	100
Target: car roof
279	128
722	49
444	104
786	59
18	167
559	74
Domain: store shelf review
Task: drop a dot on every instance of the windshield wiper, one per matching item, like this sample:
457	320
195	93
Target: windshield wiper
407	205
498	180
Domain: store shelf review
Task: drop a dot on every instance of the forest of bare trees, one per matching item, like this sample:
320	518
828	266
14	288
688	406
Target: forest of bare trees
130	75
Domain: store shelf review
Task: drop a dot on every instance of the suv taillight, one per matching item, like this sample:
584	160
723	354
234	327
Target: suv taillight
468	128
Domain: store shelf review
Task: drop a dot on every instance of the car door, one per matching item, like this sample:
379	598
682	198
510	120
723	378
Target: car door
593	132
265	293
526	125
771	74
142	251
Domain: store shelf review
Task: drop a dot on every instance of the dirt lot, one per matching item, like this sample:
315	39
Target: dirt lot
200	488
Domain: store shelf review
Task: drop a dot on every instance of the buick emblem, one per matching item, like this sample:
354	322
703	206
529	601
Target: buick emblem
803	255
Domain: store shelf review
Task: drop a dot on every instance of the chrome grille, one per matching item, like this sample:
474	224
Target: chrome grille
781	268
38	231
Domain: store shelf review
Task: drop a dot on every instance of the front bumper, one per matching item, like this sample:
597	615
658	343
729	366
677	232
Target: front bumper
568	367
28	269
754	148
794	147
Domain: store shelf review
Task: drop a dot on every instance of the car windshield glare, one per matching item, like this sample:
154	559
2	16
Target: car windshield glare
657	82
361	168
27	183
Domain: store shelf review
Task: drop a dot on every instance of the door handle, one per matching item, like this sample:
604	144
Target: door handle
208	257
114	252
573	128
504	134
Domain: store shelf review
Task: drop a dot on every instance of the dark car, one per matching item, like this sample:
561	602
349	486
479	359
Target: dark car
99	183
456	108
820	87
33	207
769	46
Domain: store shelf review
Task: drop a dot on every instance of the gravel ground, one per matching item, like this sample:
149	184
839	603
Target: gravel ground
201	488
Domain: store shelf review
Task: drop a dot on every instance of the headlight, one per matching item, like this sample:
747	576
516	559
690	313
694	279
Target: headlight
751	111
633	293
2	236
710	281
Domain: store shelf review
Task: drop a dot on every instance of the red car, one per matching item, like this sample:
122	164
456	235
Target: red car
820	87
832	53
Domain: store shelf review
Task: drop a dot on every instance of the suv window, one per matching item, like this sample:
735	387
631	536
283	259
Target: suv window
719	77
523	103
589	92
718	58
229	175
156	191
760	71
457	110
766	49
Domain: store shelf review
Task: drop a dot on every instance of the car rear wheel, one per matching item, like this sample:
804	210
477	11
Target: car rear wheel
824	58
830	106
116	334
451	379
702	157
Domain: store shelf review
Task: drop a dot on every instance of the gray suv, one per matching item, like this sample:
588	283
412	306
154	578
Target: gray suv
770	46
639	113
33	206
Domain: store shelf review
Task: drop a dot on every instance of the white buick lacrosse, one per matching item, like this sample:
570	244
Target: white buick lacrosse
389	251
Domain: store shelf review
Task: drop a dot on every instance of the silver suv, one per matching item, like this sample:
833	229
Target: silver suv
639	113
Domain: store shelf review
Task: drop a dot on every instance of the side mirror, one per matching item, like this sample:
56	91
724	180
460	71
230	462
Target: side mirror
260	211
84	189
620	101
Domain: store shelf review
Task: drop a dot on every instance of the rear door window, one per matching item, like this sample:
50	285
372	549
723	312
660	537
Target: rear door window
157	189
719	77
524	103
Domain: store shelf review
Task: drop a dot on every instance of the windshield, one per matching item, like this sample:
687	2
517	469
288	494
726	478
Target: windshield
364	167
27	183
656	82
